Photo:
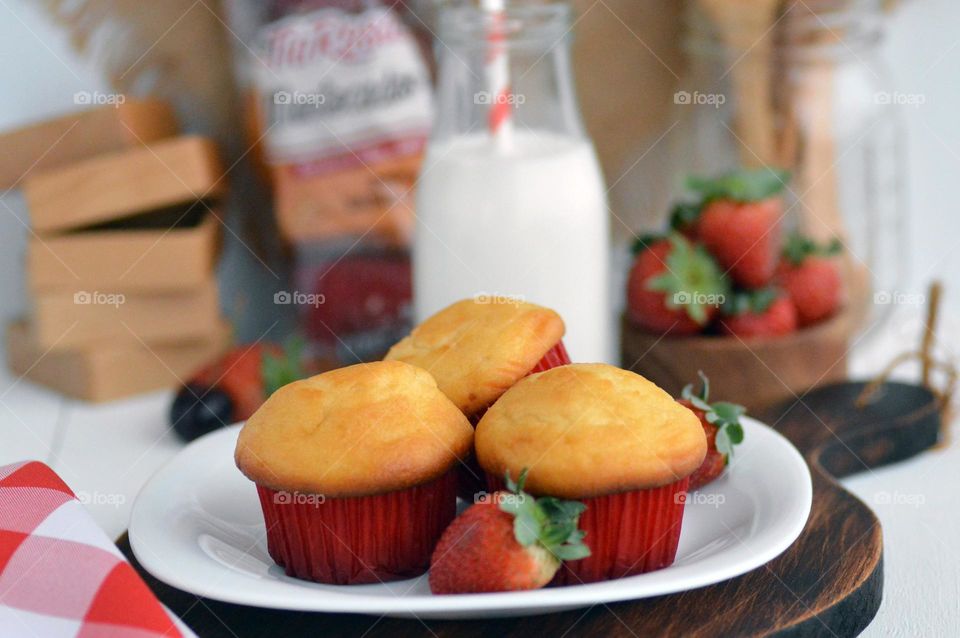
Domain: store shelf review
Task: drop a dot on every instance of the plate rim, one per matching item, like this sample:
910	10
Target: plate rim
461	605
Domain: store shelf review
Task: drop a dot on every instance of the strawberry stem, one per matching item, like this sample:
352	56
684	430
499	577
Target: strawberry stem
642	242
684	215
751	301
725	416
547	521
278	371
799	247
692	281
745	185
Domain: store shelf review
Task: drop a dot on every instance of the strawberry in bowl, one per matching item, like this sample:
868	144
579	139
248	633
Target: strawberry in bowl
739	222
727	249
729	292
768	312
674	287
810	275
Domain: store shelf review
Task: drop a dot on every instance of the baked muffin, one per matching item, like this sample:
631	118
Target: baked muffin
609	438
478	348
356	471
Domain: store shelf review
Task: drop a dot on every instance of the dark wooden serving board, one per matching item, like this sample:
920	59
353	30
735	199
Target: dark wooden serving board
829	583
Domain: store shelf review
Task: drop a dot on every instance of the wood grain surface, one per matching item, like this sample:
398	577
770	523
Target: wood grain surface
79	136
774	369
62	321
829	583
124	184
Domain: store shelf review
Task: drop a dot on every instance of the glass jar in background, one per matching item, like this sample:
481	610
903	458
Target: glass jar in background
807	91
515	209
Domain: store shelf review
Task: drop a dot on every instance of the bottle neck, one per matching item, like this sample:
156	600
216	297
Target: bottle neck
517	63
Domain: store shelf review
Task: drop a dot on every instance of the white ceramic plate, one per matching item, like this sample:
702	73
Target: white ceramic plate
197	526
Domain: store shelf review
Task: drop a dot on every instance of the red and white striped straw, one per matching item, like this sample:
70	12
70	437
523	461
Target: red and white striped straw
500	115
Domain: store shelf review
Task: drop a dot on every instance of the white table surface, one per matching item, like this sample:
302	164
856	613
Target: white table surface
107	452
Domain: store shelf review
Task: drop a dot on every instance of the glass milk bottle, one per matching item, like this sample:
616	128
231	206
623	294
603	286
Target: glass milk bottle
511	201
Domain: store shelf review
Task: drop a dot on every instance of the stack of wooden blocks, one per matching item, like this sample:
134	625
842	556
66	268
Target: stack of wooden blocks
121	256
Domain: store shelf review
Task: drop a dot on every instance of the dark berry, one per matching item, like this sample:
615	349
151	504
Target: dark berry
198	410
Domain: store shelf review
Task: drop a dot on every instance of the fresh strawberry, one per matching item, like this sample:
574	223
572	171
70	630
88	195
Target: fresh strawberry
811	278
508	542
767	312
721	424
740	222
233	387
239	373
744	237
674	287
713	464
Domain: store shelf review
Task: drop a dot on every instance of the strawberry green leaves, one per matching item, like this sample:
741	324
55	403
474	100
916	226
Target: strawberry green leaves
746	185
280	370
725	416
693	281
644	242
548	521
684	215
752	301
799	247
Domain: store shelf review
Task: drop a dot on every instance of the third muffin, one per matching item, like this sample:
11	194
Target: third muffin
478	348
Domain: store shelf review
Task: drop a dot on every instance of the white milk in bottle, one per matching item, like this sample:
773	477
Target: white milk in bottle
520	217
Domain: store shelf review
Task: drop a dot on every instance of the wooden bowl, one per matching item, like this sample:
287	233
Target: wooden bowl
754	372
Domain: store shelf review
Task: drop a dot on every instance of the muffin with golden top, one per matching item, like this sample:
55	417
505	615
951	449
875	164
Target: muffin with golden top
609	438
356	471
478	348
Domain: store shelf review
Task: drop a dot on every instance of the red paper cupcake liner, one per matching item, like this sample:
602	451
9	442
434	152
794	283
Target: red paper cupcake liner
628	533
471	475
355	540
556	356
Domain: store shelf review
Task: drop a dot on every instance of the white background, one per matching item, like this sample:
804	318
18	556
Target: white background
922	554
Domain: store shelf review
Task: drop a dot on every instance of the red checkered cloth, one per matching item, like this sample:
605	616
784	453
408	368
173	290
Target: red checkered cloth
59	573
